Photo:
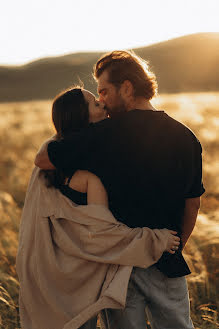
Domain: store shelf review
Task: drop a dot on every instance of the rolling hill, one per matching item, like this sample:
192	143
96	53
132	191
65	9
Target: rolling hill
188	63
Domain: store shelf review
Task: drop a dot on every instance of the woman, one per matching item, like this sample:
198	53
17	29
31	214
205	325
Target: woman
74	258
73	110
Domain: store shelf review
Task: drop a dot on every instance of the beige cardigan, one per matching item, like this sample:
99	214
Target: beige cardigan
74	261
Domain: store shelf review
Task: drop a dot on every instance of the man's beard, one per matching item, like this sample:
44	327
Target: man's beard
117	109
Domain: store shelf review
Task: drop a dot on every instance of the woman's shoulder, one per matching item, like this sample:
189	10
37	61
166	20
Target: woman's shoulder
79	181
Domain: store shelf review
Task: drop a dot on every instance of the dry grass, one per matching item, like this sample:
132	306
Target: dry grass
24	126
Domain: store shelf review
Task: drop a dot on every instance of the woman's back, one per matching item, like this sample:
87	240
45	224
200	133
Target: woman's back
85	188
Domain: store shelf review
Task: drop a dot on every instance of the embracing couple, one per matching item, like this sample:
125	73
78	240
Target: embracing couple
108	214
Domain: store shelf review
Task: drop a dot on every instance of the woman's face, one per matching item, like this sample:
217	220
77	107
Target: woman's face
96	109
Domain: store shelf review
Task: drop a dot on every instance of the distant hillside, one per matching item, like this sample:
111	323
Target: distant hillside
189	63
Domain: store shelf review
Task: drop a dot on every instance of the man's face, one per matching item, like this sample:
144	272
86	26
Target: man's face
110	96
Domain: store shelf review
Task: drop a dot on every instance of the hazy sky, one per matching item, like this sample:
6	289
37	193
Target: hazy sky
32	29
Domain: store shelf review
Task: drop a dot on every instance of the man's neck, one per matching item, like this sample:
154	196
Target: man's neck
141	104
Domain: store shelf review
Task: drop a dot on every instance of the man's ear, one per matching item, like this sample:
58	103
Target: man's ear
127	88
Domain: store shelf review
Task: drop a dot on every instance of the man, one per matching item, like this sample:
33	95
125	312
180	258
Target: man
151	167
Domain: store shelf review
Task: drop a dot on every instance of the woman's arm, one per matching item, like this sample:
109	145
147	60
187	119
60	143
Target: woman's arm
86	182
42	159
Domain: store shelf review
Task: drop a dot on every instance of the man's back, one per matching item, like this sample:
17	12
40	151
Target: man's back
149	163
145	160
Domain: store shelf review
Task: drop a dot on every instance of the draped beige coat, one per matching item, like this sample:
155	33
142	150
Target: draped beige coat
74	261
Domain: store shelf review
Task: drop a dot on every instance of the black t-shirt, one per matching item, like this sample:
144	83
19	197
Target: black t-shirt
149	164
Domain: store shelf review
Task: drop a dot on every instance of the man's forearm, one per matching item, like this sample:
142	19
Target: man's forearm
189	219
42	159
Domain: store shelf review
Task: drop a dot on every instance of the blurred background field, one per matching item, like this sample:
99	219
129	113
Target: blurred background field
25	125
46	46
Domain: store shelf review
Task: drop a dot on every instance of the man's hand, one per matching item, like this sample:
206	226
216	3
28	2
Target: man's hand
189	219
42	159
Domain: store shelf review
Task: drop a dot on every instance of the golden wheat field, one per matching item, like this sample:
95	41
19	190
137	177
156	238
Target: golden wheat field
24	126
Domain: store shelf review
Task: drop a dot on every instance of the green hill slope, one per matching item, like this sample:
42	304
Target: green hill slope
189	63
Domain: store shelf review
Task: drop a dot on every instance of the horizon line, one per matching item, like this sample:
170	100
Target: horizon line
35	59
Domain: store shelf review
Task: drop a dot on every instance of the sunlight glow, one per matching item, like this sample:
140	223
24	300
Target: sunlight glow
32	29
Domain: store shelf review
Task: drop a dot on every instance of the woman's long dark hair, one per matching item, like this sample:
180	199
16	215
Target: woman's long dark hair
69	115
